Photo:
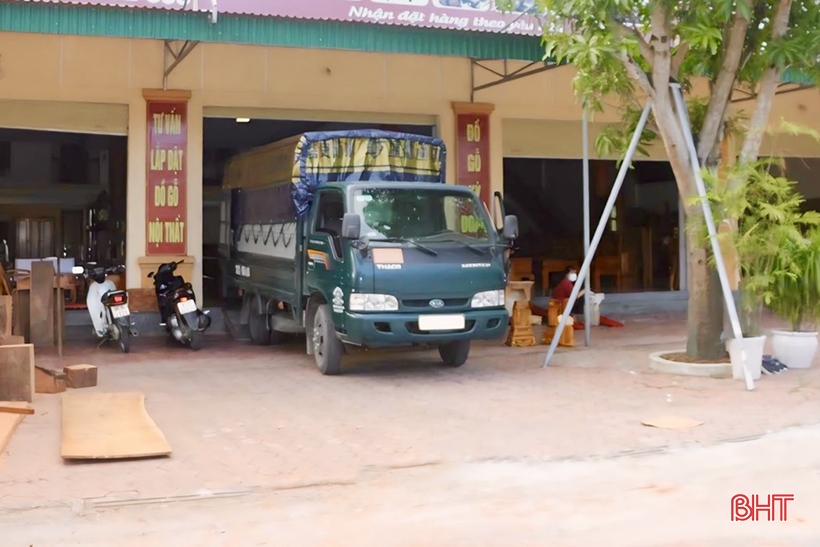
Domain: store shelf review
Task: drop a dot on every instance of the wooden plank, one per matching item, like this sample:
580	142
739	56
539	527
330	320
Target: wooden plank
9	422
79	376
17	373
109	426
59	318
8	408
21	314
48	380
41	305
6	315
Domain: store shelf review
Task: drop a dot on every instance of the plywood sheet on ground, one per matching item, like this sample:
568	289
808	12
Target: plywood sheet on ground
9	422
109	426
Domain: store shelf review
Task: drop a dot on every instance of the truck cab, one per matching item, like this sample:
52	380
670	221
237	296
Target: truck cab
393	264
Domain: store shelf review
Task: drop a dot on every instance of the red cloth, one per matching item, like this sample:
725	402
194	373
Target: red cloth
563	290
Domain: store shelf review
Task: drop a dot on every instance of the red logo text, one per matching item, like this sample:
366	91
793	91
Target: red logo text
769	508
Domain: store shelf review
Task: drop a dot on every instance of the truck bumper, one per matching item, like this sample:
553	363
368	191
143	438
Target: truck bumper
395	329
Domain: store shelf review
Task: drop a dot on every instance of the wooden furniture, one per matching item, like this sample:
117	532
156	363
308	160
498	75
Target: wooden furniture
521	269
615	266
521	334
554	311
66	282
517	291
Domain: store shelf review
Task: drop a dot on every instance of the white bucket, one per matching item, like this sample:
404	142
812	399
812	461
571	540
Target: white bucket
595	309
753	348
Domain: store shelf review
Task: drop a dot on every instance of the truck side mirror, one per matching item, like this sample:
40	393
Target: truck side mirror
351	226
510	227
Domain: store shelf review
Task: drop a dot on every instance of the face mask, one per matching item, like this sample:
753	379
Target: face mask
573	277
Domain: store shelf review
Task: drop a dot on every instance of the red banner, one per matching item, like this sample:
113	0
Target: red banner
166	204
473	150
474	15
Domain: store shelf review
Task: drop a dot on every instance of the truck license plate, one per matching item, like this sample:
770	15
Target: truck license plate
441	322
120	311
187	307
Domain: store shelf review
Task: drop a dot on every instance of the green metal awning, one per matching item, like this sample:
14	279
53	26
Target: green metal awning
160	24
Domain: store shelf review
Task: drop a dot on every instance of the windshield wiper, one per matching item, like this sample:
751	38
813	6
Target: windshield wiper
421	247
476	250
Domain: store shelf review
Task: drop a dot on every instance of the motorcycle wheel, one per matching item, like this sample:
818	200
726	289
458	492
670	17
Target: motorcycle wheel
195	343
125	340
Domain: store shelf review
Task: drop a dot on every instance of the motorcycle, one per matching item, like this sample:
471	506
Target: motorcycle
108	306
178	310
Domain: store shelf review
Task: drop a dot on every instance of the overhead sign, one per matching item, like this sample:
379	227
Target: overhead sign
166	204
472	15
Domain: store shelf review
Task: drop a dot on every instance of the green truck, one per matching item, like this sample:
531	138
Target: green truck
353	238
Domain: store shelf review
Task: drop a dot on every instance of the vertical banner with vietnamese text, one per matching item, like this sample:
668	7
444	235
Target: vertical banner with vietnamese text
473	153
166	205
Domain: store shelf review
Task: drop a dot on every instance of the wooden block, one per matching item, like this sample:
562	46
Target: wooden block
17	373
8	408
41	304
79	376
142	300
12	340
48	380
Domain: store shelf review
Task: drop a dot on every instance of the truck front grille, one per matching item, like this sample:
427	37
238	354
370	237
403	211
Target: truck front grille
425	303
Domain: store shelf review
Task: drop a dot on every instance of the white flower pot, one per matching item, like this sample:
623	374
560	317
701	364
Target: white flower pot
754	356
794	349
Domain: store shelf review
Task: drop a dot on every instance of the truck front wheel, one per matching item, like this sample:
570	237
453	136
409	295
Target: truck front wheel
258	327
454	354
327	348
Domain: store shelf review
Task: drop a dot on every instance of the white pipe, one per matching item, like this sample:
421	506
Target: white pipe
683	116
587	328
599	232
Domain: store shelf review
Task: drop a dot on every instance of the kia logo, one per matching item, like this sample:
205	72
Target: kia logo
436	303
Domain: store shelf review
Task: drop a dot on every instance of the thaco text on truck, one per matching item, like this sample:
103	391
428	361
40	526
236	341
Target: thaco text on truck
353	238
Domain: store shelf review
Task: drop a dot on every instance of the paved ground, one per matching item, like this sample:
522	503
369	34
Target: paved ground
241	418
672	499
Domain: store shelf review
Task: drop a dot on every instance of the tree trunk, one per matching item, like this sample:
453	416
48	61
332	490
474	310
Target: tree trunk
705	316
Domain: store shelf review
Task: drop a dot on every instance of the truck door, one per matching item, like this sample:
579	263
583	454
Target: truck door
325	256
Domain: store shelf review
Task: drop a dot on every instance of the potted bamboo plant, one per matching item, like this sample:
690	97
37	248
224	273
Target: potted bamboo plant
794	295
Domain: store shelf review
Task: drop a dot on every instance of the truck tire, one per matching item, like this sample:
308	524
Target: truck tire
454	354
258	327
327	348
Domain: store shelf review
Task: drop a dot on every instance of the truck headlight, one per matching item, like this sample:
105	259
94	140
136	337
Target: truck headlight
373	302
488	299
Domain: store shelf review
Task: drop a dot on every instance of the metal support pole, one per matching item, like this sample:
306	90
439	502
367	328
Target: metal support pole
587	327
599	232
683	116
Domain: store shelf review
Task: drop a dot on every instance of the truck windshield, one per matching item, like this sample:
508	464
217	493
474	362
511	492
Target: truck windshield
420	214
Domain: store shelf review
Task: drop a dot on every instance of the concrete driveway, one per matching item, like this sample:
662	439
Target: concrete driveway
247	421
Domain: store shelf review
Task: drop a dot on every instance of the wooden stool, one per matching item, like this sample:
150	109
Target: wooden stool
521	334
567	339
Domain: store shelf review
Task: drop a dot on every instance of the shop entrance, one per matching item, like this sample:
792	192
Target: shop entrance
640	248
225	137
62	196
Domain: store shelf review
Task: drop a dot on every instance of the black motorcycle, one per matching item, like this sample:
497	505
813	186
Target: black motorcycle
176	300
